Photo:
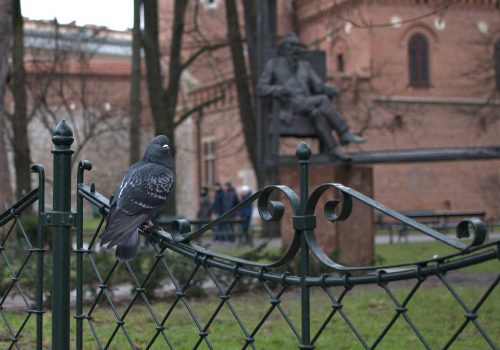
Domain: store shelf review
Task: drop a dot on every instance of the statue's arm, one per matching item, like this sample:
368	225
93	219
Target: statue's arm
267	87
317	85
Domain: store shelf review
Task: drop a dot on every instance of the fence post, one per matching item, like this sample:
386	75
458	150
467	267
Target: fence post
39	255
303	153
61	219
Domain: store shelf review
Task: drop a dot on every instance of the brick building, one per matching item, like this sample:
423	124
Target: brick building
81	74
413	74
449	99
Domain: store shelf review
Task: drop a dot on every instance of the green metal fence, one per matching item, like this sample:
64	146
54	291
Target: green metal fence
304	324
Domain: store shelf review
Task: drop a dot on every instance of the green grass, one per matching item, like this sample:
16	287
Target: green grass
433	310
384	254
435	313
416	251
91	224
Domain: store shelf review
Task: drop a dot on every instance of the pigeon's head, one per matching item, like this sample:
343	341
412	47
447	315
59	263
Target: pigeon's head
158	150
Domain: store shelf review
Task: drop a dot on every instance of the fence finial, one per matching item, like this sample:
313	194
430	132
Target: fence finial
303	151
63	135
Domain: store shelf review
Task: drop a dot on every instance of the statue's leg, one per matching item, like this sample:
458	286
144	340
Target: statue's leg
324	131
338	123
333	117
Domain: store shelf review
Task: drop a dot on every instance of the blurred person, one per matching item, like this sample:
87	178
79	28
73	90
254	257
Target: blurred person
218	209
246	215
230	200
205	207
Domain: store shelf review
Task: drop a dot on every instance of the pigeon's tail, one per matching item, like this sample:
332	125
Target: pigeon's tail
121	228
126	250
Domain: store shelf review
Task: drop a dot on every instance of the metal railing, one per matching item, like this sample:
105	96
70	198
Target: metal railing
226	276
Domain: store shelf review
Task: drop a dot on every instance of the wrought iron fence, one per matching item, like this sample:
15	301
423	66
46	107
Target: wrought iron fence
312	308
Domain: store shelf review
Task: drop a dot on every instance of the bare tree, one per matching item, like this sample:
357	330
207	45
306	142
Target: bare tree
5	45
246	108
164	96
482	77
19	121
62	84
135	87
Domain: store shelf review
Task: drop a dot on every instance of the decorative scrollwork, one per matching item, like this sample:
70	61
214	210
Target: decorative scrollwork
179	228
330	208
85	165
479	230
82	166
270	210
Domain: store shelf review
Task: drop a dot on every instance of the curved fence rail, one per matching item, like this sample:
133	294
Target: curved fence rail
181	294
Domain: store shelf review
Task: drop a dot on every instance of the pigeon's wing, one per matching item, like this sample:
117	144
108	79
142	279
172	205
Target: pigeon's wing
121	226
141	194
145	188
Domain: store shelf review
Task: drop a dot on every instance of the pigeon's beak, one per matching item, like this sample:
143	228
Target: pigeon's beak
166	146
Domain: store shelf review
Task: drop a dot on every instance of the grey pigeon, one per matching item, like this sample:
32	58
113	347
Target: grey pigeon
140	198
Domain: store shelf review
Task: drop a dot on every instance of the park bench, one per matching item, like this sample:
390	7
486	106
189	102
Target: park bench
437	220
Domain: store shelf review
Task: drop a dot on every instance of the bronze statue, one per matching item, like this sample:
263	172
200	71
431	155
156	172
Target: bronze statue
300	91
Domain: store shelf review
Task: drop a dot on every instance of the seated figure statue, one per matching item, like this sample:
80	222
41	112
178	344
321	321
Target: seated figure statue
292	80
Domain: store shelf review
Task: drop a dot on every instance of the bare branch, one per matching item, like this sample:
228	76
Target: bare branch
196	108
202	50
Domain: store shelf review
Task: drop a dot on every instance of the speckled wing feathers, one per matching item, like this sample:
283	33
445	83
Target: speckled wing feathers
144	188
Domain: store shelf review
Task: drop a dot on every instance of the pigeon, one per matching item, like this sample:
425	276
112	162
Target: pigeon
140	198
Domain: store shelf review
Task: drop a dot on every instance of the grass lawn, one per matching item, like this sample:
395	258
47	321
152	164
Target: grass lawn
416	251
433	310
435	313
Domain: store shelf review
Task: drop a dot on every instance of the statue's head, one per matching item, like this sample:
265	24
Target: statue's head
288	45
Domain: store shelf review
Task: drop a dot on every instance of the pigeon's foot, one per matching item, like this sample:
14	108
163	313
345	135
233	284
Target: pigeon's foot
348	137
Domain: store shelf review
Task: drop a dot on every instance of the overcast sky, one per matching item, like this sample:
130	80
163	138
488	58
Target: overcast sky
114	14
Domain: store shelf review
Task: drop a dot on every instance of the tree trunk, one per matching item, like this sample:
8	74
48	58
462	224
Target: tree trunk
175	67
20	145
246	107
163	102
153	65
250	13
5	44
135	88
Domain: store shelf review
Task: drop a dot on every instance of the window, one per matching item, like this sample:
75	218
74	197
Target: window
418	56
340	62
497	65
209	160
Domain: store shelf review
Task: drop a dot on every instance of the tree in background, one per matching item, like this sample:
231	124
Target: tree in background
63	85
19	120
164	95
242	81
5	45
135	87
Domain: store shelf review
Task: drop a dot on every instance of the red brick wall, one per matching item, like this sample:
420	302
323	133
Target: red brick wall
376	66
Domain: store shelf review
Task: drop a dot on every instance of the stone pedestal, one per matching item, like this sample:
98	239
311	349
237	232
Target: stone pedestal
355	236
350	242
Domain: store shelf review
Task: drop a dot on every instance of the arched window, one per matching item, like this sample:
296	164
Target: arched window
497	65
418	59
